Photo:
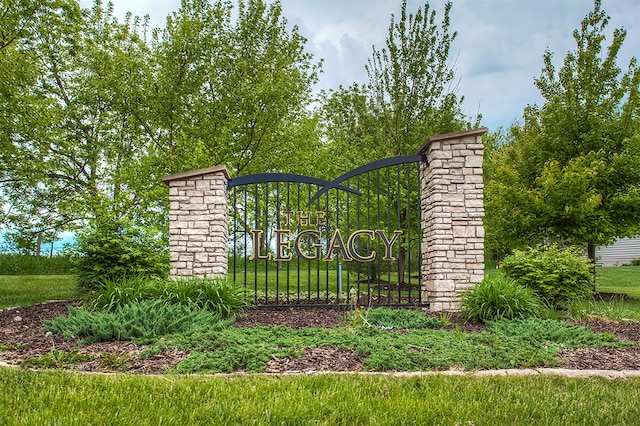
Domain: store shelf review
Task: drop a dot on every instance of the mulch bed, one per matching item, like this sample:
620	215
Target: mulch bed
21	332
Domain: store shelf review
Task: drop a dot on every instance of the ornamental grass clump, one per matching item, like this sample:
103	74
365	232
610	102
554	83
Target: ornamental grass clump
218	295
498	298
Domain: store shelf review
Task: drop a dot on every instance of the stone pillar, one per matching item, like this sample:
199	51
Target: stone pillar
198	238
452	213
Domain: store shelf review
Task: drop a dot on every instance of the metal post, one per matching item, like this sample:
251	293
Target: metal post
339	277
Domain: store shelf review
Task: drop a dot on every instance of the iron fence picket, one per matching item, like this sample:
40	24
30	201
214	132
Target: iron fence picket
367	289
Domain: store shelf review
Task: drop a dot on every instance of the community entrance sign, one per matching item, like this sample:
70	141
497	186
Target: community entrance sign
399	231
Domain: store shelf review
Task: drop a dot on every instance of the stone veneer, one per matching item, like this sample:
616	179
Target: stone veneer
452	213
198	235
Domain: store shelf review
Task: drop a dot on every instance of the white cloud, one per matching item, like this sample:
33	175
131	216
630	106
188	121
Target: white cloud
498	51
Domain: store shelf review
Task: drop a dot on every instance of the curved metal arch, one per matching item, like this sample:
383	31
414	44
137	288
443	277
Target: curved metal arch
374	165
284	177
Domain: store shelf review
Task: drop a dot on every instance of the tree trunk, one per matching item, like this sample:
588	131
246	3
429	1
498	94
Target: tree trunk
402	260
591	254
39	245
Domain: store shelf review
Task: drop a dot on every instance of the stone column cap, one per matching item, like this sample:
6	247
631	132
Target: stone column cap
453	135
196	173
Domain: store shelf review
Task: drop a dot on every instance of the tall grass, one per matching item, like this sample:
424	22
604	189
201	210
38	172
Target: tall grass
498	298
27	264
28	398
216	294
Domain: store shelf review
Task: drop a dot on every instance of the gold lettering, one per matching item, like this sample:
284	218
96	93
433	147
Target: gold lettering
296	245
281	245
304	218
337	243
287	215
352	249
256	236
388	244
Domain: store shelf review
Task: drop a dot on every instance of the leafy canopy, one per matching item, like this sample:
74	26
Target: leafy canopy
571	172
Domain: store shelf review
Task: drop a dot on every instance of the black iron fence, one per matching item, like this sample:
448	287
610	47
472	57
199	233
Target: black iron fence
296	240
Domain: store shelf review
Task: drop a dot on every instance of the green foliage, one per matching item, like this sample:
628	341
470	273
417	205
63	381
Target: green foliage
26	264
498	298
142	321
635	262
218	295
115	249
95	111
556	276
36	397
559	332
569	173
57	359
236	349
402	319
115	361
112	294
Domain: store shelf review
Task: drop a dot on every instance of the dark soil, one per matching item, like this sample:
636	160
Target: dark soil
21	337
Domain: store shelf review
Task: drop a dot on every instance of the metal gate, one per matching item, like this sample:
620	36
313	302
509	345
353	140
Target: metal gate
297	241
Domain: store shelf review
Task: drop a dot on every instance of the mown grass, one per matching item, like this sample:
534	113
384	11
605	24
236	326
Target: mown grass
28	398
27	290
619	279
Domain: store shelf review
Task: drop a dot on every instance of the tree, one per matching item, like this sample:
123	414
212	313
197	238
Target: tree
571	172
409	97
94	113
231	91
71	142
411	81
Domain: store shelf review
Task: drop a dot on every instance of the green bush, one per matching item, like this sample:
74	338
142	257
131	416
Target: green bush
402	319
114	249
559	332
112	294
498	298
218	295
557	276
635	262
141	321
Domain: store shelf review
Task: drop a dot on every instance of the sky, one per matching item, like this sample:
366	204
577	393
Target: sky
497	54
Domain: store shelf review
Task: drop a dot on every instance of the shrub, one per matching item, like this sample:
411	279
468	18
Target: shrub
557	276
141	321
218	295
635	262
499	298
402	319
559	332
114	249
112	294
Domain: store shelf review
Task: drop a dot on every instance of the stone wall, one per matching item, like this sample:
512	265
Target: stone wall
198	235
452	213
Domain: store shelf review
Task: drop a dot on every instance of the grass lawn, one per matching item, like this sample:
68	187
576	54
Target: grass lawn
51	397
619	279
27	290
59	397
